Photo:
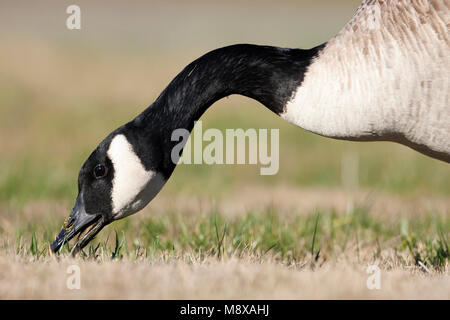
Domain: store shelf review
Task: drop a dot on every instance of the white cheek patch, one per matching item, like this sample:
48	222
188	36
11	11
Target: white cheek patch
133	186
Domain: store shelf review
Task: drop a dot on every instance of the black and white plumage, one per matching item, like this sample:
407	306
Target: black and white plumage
384	77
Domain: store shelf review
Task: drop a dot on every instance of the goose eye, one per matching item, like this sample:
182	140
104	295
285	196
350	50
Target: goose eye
100	171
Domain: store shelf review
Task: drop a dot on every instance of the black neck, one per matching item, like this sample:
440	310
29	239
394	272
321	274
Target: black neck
267	74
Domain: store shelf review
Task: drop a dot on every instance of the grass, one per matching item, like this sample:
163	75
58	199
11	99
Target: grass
213	231
294	240
258	254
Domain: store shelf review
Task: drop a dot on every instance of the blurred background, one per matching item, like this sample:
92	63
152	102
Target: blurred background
62	91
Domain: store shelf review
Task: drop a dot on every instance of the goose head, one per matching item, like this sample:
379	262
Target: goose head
117	180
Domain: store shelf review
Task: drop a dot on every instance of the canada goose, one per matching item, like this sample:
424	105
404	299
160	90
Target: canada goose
384	77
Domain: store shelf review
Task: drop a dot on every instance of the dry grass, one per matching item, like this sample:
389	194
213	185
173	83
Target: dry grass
243	278
196	272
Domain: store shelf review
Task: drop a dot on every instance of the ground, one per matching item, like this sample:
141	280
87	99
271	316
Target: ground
181	248
311	231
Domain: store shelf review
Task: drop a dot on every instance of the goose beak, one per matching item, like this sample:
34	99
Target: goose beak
79	223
